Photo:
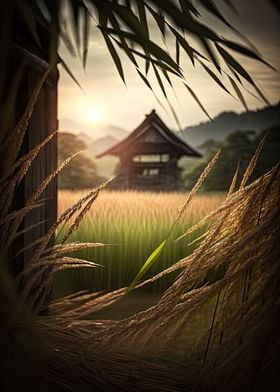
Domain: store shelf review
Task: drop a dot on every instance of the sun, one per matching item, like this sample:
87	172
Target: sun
94	114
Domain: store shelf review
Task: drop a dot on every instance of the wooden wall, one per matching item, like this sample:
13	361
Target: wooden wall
42	123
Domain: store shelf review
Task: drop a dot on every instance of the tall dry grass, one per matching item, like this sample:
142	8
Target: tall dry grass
237	348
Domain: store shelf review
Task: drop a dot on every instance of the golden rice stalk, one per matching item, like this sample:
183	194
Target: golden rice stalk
235	199
16	136
9	225
25	162
47	237
72	264
199	183
49	264
46	262
73	209
58	250
234	180
250	168
93	304
11	179
84	211
235	248
49	178
14	214
30	227
30	202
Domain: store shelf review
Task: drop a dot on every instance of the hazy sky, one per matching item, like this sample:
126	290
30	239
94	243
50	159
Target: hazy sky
109	101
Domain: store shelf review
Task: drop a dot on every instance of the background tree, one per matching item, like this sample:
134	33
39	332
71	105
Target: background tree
238	149
81	172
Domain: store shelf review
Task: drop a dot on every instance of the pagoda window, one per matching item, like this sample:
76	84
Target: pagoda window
150	172
151	158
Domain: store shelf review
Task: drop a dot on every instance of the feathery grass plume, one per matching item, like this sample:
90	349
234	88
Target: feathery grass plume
31	227
70	351
242	236
16	136
49	178
95	304
24	163
8	224
84	211
199	183
53	254
226	249
14	214
234	179
74	337
13	179
57	250
28	287
252	164
228	203
67	214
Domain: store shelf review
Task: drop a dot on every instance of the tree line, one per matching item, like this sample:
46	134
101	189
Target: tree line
237	149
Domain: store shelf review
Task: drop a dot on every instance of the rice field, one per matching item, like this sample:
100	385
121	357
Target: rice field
133	224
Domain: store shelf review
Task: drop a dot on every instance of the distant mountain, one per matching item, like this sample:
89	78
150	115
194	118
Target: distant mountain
227	122
112	130
106	166
101	144
84	137
68	125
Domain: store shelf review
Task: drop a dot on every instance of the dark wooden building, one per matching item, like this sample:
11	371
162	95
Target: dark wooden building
149	156
26	62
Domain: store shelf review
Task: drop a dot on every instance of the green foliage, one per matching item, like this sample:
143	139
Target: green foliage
81	172
239	146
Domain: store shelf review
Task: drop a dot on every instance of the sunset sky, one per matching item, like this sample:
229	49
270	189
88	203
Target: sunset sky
109	101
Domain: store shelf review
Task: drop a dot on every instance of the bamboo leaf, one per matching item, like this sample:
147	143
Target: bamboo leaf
159	19
185	21
188	7
167	77
114	55
86	33
214	77
234	64
212	8
123	45
245	51
231	6
66	39
177	51
143	16
153	61
145	80
210	53
75	25
159	81
147	45
131	20
180	40
238	67
197	100
238	93
261	94
70	73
